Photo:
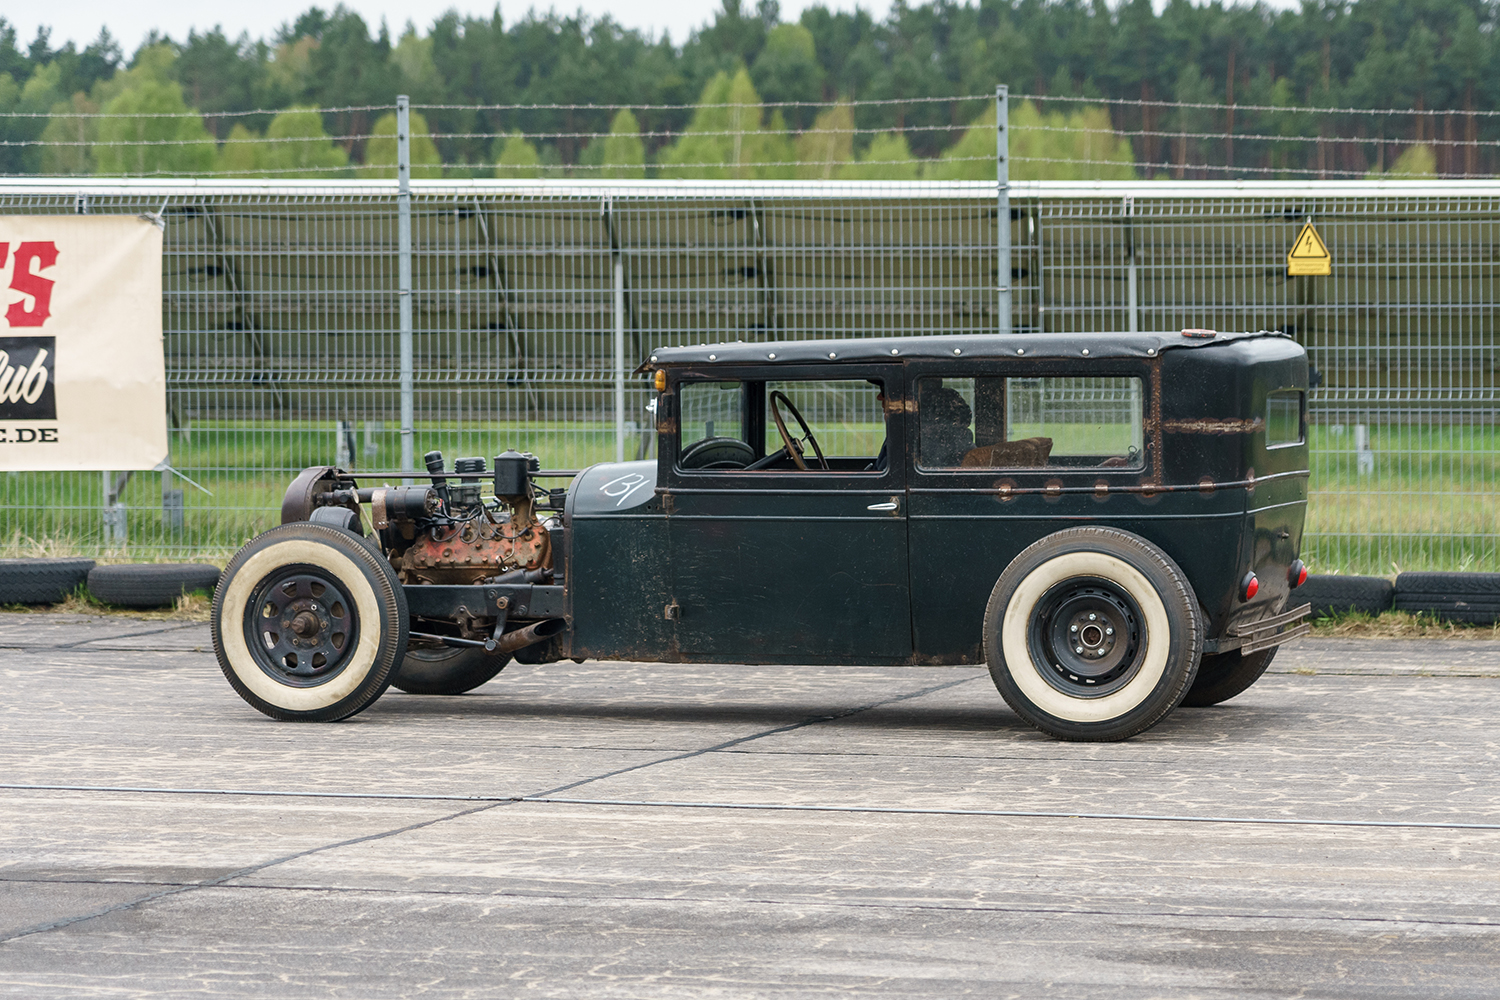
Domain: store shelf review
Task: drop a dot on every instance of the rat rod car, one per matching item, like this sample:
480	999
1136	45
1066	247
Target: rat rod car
1110	522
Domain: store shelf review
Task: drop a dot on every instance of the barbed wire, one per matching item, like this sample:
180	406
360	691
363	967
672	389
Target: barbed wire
207	140
195	114
1225	168
493	107
885	101
1251	137
683	133
744	133
543	168
853	103
1295	108
666	138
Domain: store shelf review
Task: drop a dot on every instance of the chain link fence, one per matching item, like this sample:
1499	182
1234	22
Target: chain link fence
281	304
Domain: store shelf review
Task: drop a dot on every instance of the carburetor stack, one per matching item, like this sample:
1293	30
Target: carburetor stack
448	534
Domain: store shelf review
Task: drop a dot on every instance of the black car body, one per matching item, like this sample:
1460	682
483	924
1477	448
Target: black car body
938	476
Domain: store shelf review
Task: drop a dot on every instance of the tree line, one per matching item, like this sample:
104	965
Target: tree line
832	94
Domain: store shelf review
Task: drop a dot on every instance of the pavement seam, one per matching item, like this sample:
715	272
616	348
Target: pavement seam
767	901
241	873
815	720
543	799
107	638
1021	814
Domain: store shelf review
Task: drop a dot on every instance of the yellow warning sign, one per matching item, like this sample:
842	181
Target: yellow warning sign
1309	254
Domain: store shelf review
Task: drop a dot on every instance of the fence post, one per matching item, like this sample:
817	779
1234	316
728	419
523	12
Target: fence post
619	277
1002	213
403	213
1132	289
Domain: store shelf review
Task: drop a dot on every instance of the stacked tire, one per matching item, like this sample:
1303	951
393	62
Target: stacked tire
150	585
1338	595
1459	597
41	581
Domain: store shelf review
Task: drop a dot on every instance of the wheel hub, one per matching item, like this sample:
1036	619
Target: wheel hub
301	626
1088	635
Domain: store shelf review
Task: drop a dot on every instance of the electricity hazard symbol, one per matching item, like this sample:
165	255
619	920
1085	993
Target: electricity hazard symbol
1309	254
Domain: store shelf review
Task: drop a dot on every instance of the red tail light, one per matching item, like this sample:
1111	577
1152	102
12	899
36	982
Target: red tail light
1249	587
1297	575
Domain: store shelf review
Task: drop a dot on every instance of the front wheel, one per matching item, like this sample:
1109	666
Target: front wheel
446	670
1092	634
308	623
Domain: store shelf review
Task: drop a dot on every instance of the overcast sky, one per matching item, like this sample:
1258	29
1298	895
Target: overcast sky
80	20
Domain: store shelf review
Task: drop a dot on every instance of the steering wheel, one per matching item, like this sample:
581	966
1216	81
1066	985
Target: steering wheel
793	446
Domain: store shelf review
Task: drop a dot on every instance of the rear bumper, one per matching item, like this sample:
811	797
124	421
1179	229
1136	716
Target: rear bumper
1265	633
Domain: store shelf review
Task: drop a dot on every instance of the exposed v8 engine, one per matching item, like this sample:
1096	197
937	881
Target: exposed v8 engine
448	532
463	539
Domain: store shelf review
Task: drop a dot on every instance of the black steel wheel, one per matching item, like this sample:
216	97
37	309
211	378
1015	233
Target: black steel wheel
1221	676
308	623
1092	634
446	670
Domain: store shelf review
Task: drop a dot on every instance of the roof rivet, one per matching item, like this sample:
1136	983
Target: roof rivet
653	357
713	357
1150	352
957	351
894	351
1085	352
1020	350
771	356
832	354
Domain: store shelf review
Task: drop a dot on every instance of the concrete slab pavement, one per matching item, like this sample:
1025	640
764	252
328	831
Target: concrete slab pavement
632	830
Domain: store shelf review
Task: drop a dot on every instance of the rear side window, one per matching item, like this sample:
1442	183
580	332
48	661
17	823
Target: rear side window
1051	422
1284	417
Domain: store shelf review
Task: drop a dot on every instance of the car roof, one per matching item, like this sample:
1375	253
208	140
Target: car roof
948	346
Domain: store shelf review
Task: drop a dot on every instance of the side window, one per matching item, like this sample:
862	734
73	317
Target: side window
825	425
1284	417
1087	422
845	418
711	416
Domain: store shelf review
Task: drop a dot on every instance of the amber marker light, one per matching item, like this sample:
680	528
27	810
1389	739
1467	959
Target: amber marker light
661	380
1249	587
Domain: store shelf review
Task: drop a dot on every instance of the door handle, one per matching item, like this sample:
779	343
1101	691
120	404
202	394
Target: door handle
888	505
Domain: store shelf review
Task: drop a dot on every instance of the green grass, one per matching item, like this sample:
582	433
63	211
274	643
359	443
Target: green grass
1431	502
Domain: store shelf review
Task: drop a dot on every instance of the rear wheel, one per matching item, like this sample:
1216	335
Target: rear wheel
308	623
445	670
1221	676
1092	634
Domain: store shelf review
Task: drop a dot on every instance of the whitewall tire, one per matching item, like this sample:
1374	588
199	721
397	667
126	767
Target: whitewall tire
308	623
1092	634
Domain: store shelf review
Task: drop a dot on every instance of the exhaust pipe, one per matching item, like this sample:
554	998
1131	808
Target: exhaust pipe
523	637
507	643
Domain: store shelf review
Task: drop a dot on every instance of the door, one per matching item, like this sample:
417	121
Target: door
1004	455
788	538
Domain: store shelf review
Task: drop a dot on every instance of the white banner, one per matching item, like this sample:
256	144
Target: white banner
82	381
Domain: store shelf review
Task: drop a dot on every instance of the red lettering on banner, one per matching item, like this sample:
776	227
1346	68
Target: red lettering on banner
24	280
